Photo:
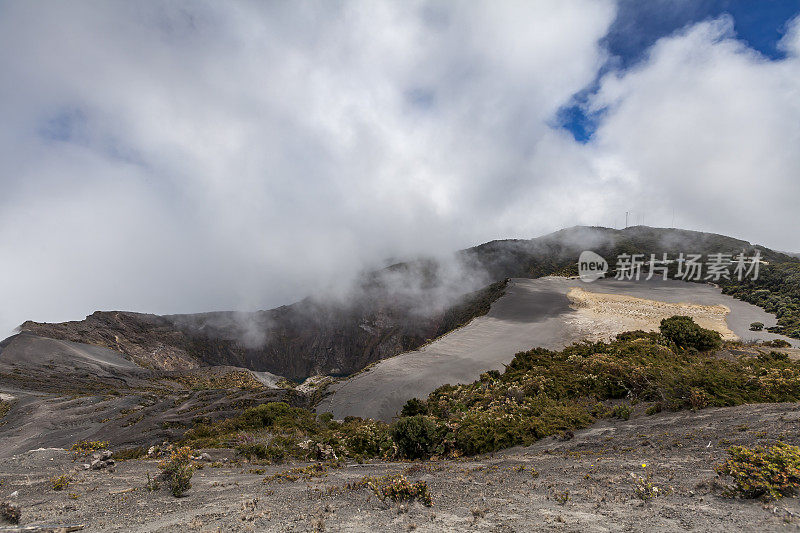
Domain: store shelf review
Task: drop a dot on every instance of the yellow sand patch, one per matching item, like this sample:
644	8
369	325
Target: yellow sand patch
601	316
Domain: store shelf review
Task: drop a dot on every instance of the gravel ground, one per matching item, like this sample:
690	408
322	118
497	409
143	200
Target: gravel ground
583	484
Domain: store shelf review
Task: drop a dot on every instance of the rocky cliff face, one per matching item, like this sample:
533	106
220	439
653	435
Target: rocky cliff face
296	341
150	341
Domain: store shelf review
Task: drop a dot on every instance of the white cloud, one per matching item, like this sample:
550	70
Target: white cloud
187	156
183	156
710	128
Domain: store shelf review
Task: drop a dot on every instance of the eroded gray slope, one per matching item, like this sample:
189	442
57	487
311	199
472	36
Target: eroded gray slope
27	350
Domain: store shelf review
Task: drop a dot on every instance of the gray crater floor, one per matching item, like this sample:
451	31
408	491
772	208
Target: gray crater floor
532	313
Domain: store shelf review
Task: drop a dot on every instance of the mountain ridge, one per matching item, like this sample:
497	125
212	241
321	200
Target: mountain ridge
393	310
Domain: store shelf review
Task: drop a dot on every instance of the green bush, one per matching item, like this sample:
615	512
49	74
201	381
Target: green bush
60	482
687	335
373	439
621	411
277	415
85	447
271	452
541	393
325	418
400	489
396	488
772	357
777	343
414	407
770	473
416	436
481	434
756	326
777	290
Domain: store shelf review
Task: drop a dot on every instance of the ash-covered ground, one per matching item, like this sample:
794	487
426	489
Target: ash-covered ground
586	483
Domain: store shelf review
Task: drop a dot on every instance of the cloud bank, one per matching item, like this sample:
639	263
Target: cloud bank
187	156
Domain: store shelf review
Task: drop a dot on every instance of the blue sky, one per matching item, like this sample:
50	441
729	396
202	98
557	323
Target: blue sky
639	24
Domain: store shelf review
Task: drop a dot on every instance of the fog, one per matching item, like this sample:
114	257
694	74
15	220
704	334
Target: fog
178	157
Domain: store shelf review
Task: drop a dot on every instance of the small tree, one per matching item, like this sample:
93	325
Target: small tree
756	326
416	436
683	331
414	407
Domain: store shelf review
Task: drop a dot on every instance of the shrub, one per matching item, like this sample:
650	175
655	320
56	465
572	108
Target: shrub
777	343
756	326
644	488
127	454
414	407
267	452
541	393
372	439
483	434
60	482
177	471
277	450
397	488
763	472
277	415
773	357
653	409
416	436
621	411
325	418
489	376
776	291
561	497
152	485
85	447
687	335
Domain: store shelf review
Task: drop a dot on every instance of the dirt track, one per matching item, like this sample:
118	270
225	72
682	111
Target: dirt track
533	312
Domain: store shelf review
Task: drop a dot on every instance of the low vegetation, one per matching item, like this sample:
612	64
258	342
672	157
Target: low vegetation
177	470
60	482
685	334
239	379
777	343
643	486
85	447
126	454
396	488
472	305
777	290
541	393
760	472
